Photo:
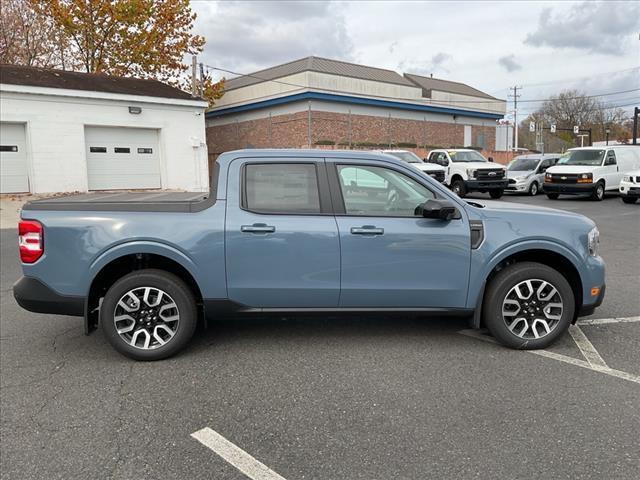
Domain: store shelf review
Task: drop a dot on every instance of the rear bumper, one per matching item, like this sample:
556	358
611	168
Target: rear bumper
569	188
486	184
35	296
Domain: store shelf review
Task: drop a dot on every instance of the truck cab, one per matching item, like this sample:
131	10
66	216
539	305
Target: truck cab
468	171
591	171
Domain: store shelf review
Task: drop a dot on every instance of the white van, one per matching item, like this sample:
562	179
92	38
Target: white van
591	170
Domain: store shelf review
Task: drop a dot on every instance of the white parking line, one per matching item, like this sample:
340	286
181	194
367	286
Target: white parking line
586	347
604	321
561	358
235	456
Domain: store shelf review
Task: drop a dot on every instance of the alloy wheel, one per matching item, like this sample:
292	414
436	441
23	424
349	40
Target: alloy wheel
146	318
532	309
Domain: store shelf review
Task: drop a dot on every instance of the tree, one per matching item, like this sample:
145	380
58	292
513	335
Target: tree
27	37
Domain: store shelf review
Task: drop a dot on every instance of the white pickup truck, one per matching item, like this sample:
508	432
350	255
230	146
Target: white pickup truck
469	171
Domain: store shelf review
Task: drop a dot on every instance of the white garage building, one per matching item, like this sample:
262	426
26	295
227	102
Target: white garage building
69	131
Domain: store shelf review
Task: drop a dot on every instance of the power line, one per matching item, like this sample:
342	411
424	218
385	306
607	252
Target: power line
282	82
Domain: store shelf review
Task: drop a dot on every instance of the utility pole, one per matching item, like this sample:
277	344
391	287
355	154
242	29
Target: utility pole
636	112
515	97
194	79
201	83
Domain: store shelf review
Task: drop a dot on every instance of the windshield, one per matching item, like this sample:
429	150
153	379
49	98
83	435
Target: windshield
582	157
523	164
467	156
408	157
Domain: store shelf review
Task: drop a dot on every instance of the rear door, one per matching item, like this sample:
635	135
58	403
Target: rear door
13	158
282	244
392	258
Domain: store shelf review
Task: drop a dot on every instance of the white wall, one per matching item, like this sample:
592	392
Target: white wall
55	120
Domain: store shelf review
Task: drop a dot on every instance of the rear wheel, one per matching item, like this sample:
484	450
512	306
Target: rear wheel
459	188
533	189
528	305
598	192
629	199
553	196
148	315
496	193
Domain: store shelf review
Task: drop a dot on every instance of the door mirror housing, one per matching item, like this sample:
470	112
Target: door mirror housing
490	159
437	208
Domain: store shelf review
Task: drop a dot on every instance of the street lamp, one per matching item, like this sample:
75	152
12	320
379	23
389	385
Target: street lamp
607	132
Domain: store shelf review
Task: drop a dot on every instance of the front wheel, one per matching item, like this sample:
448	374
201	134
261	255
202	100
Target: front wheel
553	196
496	193
459	188
629	199
598	192
533	189
148	315
528	305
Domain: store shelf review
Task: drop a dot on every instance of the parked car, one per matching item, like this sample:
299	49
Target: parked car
433	170
526	172
286	231
469	171
630	187
591	170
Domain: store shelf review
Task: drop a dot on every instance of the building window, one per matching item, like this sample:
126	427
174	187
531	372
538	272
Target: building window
8	148
98	149
122	150
145	150
281	188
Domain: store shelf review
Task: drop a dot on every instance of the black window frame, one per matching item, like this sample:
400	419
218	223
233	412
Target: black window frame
610	154
144	152
337	197
121	149
324	196
97	149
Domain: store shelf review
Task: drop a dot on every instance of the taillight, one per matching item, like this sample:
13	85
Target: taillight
30	240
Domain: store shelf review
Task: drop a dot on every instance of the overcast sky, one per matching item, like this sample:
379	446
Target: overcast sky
543	46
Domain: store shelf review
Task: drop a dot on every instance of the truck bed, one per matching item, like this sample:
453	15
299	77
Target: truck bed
126	201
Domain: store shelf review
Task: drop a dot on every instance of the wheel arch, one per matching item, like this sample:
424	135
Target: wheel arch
551	257
114	265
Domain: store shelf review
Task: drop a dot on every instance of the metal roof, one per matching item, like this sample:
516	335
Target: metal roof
430	83
320	65
93	82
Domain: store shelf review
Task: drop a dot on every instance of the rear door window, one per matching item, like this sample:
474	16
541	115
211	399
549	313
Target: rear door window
281	188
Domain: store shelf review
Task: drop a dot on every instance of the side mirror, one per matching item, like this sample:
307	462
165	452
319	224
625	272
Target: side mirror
435	208
490	159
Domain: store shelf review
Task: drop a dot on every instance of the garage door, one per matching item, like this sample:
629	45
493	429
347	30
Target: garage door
13	159
122	158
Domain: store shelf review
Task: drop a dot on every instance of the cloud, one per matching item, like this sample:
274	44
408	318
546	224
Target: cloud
248	36
509	63
601	27
435	64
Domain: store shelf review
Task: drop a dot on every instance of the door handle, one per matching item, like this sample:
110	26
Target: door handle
258	228
367	230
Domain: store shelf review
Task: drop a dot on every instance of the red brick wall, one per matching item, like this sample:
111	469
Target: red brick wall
291	131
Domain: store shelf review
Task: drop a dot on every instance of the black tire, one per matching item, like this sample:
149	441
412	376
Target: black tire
499	288
159	279
629	199
553	196
534	189
458	187
598	192
496	193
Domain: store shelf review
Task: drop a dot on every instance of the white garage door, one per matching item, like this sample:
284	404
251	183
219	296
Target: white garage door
122	158
13	159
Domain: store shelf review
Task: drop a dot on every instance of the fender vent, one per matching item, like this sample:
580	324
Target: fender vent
477	233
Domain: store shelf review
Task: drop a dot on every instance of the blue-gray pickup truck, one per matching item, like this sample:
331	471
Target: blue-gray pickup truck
305	231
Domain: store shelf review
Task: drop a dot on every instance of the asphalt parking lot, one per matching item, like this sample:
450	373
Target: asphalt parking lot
332	398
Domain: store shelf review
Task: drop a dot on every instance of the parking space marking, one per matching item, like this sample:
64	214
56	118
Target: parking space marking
586	347
604	321
557	356
235	456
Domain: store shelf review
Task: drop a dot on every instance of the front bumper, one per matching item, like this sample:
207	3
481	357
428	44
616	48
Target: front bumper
486	184
586	310
630	189
569	188
518	187
35	296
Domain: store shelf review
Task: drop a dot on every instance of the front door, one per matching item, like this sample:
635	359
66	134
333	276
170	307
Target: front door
391	257
282	245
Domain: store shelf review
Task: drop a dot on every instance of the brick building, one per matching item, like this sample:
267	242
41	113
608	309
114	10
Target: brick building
317	101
